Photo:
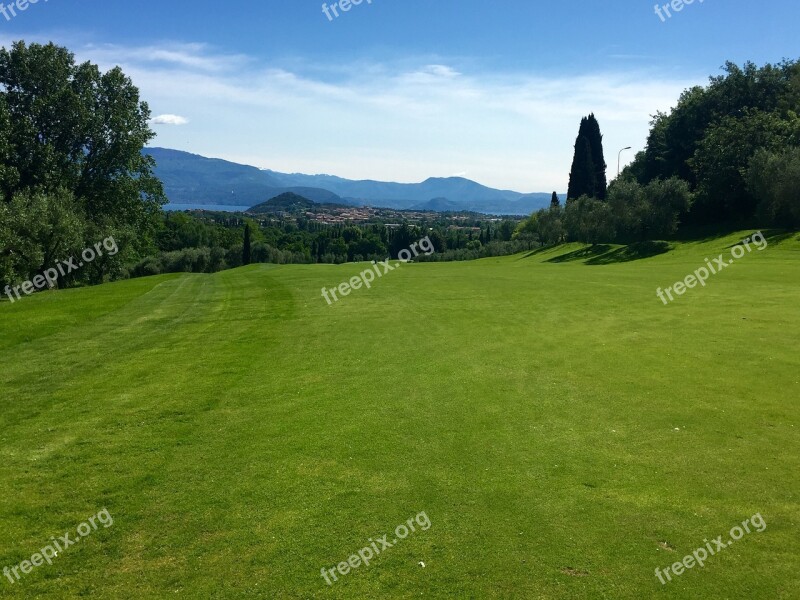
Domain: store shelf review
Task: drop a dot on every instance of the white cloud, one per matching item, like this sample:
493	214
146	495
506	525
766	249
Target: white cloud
169	120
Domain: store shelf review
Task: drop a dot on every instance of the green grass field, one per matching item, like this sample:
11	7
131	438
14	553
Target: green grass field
564	432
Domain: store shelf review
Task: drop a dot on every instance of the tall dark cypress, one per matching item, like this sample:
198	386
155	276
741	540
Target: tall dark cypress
246	252
580	182
592	132
582	177
554	201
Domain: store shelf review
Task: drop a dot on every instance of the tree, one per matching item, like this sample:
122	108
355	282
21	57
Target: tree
506	230
582	177
668	200
709	138
774	179
590	129
554	201
246	249
70	131
588	174
544	226
38	229
722	159
629	206
589	220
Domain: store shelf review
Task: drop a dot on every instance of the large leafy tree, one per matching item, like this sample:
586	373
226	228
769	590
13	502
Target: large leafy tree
71	140
722	159
709	138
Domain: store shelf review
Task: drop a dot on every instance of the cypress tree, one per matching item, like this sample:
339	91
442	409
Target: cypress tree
582	177
585	179
246	253
554	201
592	132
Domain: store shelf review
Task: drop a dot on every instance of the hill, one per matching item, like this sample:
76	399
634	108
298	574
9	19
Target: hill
563	431
192	179
286	202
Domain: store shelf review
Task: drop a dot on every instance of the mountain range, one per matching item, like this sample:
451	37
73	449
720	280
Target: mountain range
197	180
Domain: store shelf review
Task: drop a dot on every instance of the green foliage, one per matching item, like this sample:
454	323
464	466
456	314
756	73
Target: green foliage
590	128
710	137
648	212
70	143
38	230
722	158
774	179
588	173
544	226
589	220
582	176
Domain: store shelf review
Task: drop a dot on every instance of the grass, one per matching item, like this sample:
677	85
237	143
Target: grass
564	431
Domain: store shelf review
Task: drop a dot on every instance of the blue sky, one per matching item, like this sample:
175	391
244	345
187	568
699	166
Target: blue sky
406	89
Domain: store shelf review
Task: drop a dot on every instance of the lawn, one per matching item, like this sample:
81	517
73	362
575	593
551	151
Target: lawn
563	431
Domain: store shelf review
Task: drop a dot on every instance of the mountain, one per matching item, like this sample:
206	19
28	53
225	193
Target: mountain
192	179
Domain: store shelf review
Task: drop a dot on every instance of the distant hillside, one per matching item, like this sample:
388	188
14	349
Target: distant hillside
192	179
439	205
286	202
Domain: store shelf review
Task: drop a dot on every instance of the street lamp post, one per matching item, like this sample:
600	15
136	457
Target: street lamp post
619	156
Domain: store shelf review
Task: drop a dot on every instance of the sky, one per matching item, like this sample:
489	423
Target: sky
403	90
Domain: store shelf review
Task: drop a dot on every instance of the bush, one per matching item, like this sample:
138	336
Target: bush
189	260
147	267
589	220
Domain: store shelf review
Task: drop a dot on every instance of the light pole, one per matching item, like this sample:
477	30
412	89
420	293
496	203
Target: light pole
619	156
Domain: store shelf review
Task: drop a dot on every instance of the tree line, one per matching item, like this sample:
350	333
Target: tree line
205	242
726	157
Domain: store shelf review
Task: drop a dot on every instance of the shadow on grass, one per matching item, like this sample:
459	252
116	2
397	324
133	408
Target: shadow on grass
587	253
630	253
540	250
773	237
